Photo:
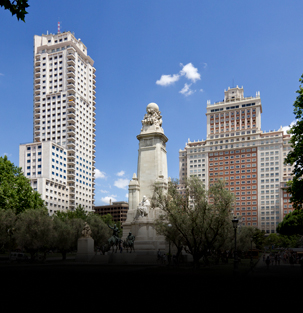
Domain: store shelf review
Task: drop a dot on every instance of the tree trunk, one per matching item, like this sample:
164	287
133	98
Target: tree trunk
63	255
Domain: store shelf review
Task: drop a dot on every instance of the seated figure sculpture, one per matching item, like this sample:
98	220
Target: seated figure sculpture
143	207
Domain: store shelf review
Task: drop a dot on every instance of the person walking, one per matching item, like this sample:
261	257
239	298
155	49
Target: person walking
267	261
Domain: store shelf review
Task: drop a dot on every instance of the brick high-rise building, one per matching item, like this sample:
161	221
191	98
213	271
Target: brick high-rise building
250	160
60	161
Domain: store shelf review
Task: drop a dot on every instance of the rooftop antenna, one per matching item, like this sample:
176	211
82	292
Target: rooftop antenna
233	83
58	27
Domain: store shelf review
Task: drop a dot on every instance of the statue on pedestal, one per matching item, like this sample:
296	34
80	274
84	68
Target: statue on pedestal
129	242
86	232
114	240
143	207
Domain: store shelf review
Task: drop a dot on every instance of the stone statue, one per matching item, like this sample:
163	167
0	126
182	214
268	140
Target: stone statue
129	242
143	207
86	232
153	117
115	232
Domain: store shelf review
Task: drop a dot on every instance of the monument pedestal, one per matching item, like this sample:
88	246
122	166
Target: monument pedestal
152	169
85	249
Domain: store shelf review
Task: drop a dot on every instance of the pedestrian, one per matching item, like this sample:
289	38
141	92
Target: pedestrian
267	261
164	258
159	256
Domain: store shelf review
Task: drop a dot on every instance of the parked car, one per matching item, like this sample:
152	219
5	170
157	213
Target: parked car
18	256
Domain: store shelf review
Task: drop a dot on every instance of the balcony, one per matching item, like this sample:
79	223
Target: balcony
71	158
71	97
71	62
70	68
71	121
71	55
71	133
37	75
71	114
71	126
71	87
71	79
71	106
71	74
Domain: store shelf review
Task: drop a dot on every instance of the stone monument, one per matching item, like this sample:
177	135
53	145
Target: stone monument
152	168
85	248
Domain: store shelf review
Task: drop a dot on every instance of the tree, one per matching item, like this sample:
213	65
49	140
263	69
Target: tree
34	231
7	224
292	224
171	234
79	212
16	7
202	219
66	234
16	192
100	232
295	157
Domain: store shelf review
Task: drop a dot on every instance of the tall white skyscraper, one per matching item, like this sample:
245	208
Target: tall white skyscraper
60	161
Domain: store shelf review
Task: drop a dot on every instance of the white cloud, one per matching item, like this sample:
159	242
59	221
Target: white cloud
121	173
201	90
186	91
286	128
126	196
205	65
7	154
99	174
190	72
103	191
1	74
166	80
108	198
121	183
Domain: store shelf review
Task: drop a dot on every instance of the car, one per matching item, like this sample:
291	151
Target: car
18	256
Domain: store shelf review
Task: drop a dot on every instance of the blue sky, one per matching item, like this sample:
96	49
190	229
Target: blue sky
202	48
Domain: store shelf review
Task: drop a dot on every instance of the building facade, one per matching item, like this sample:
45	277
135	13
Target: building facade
62	155
118	210
250	160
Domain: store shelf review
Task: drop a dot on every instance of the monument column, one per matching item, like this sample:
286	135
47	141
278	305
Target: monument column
152	168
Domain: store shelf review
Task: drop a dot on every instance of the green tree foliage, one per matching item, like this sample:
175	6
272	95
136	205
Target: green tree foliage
79	212
203	225
7	224
282	241
259	238
34	231
66	234
295	157
16	192
100	232
292	224
17	7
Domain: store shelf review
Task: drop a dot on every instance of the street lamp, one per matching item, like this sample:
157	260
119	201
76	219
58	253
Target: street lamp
235	225
169	252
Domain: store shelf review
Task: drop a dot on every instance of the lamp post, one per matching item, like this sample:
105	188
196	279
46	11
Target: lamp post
251	256
169	251
235	225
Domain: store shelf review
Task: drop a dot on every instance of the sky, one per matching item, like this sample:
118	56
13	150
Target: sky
176	53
